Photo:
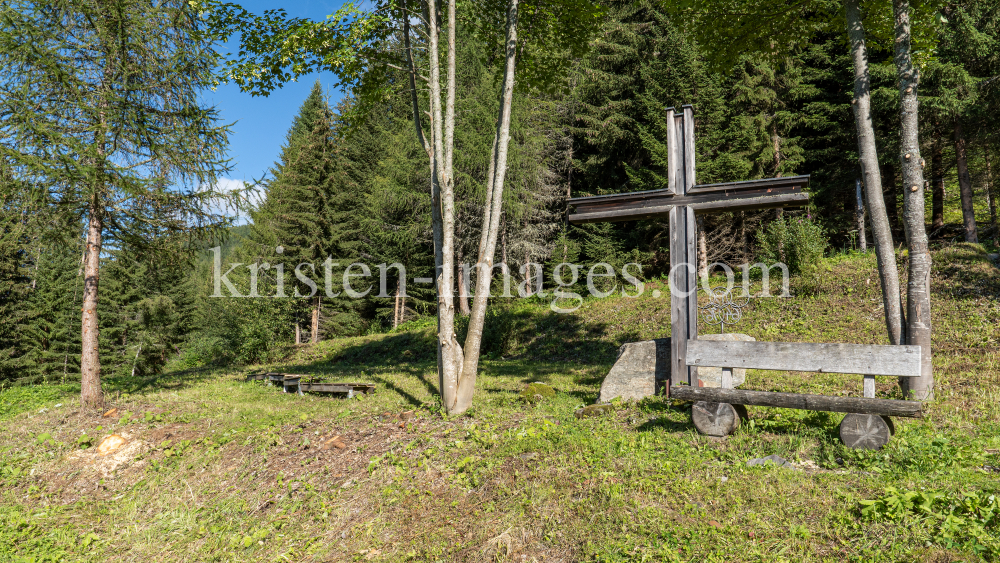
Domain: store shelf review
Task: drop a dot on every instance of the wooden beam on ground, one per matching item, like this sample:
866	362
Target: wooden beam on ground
859	405
865	359
707	198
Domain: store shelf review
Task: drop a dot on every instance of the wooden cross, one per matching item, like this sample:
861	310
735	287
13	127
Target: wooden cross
715	410
680	200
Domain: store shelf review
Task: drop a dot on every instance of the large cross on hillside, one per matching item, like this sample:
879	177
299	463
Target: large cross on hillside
680	200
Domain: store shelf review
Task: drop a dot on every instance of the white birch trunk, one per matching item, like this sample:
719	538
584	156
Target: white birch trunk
881	232
918	296
451	357
488	239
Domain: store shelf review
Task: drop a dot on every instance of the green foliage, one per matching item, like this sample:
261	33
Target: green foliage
351	42
146	312
308	215
202	350
731	29
505	325
797	242
14	279
968	520
20	399
54	332
27	538
128	144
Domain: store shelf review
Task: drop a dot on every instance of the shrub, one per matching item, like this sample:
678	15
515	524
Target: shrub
537	392
796	241
504	322
203	351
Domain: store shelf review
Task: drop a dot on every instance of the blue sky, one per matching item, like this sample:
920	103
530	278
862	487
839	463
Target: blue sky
260	123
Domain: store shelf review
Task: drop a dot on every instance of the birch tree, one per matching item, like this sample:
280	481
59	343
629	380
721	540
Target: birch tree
918	295
362	46
733	27
885	253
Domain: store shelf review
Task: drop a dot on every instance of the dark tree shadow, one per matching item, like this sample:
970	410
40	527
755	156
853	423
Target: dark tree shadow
660	423
171	381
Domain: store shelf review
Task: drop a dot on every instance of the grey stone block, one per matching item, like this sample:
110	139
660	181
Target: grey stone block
712	377
641	366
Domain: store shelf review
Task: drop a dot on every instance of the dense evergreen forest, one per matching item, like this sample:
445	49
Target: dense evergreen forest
351	184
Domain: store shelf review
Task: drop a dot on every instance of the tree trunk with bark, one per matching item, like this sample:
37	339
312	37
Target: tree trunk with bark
891	196
965	184
395	308
90	361
463	290
702	248
868	155
990	194
918	296
776	141
491	230
859	216
457	367
298	332
937	181
314	337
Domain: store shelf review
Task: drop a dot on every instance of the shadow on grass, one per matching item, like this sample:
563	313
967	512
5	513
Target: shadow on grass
168	381
409	397
519	345
661	423
819	424
509	334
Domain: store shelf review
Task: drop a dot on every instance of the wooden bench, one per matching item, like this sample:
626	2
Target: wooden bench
294	383
867	424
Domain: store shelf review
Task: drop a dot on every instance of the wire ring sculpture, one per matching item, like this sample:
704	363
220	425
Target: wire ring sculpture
723	307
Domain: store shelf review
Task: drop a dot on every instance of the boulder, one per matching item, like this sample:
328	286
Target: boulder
643	366
640	365
712	377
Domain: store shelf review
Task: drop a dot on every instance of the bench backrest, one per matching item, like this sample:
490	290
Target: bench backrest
865	359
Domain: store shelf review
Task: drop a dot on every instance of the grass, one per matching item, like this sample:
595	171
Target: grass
224	470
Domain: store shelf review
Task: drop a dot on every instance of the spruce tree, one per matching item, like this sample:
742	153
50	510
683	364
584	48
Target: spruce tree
642	65
308	212
14	288
54	333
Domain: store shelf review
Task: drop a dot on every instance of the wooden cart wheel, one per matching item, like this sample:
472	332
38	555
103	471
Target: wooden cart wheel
715	419
864	431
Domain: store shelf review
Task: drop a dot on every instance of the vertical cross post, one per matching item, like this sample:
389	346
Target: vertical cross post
683	254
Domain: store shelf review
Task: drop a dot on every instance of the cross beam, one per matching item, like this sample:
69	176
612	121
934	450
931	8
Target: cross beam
705	198
680	200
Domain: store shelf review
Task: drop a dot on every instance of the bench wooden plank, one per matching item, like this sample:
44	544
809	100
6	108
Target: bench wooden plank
860	405
865	359
327	387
